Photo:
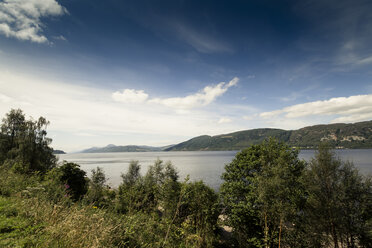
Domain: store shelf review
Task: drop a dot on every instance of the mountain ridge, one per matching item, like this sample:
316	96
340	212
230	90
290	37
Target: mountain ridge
127	148
338	135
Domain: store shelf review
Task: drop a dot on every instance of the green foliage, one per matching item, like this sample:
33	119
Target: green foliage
131	193
67	179
23	143
183	211
198	212
158	188
16	230
98	193
133	175
262	193
339	203
12	182
162	186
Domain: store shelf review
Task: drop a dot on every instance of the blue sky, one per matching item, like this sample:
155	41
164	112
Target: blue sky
161	72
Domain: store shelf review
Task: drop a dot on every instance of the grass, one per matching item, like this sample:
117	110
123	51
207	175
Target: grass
37	223
17	230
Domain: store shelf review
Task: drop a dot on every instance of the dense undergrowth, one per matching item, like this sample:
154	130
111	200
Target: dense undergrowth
30	218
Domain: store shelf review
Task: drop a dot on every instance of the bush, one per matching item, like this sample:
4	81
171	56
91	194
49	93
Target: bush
99	194
68	180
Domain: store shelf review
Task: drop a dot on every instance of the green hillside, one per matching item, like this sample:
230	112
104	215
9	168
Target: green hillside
130	148
357	135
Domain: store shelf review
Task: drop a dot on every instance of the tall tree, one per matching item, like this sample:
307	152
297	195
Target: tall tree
23	143
262	193
96	190
339	203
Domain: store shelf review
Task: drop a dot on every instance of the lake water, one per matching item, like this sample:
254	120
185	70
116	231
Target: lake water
200	165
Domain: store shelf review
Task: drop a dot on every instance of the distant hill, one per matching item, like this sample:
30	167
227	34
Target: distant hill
130	148
357	135
58	152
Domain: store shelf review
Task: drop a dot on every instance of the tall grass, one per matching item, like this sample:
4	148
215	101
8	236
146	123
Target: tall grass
39	221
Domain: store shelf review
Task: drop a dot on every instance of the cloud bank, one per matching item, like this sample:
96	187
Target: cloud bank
21	19
346	109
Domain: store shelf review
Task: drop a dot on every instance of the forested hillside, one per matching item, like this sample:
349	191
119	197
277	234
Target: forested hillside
357	135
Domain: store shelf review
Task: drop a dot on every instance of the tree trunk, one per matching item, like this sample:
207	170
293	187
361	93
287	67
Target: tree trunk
280	230
334	234
266	232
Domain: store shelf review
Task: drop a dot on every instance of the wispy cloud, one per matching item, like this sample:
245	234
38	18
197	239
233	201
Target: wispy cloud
200	40
130	96
291	97
5	99
22	19
224	120
345	25
203	98
60	37
350	109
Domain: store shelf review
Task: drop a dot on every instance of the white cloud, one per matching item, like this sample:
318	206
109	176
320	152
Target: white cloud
224	120
130	96
203	98
5	99
21	19
346	109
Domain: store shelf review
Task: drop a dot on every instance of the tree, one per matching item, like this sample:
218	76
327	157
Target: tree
97	187
74	180
131	191
262	193
157	189
339	203
24	145
133	174
198	211
162	186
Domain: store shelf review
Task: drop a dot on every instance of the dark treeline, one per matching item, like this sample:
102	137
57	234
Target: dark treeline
269	198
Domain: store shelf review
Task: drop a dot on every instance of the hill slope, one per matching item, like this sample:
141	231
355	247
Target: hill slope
130	148
357	135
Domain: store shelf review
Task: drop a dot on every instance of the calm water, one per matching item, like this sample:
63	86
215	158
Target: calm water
200	165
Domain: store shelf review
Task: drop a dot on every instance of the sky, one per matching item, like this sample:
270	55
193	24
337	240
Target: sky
161	72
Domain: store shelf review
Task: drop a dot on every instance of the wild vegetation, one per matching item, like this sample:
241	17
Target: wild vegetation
269	198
